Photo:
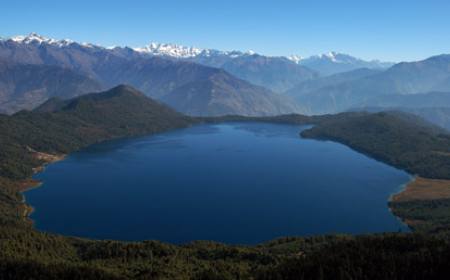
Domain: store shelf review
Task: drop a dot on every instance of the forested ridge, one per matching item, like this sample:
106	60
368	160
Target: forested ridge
399	139
60	127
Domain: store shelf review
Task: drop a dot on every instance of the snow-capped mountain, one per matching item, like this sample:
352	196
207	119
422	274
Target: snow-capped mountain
172	50
278	73
275	73
34	68
184	52
295	58
325	64
34	38
339	58
333	63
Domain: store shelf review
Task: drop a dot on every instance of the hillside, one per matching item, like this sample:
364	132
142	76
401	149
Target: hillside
22	86
407	78
333	63
222	94
433	107
307	87
399	139
60	127
419	100
154	76
275	73
119	112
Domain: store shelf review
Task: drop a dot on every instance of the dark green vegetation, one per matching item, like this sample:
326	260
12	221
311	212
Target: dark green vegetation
430	216
398	139
27	254
404	141
59	127
119	112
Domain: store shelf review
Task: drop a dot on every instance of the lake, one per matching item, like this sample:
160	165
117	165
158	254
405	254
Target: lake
240	183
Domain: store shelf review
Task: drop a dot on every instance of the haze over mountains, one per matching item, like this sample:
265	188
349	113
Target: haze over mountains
209	82
333	63
402	80
155	76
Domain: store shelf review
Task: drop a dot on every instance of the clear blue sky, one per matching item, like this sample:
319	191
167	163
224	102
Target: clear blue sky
395	30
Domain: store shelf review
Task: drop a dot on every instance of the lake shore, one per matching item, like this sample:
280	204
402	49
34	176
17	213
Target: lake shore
31	183
423	189
419	192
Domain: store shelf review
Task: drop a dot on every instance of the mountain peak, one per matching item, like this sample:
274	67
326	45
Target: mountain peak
295	58
173	50
181	51
35	38
32	37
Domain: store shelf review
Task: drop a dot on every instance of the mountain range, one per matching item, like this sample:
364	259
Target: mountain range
29	139
100	68
278	73
333	63
400	82
208	82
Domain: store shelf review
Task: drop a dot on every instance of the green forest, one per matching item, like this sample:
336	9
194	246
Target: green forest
62	127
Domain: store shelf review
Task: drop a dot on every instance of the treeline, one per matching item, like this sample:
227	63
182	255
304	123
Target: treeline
33	255
119	112
429	216
372	257
61	127
395	138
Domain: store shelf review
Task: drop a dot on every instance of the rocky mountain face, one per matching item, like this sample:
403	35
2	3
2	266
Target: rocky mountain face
23	86
222	94
275	73
209	82
92	68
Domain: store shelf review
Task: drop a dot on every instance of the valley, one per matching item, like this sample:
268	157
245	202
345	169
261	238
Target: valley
164	161
65	127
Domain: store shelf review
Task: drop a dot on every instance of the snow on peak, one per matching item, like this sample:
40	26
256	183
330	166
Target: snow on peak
34	38
184	52
180	51
173	50
295	58
30	38
331	56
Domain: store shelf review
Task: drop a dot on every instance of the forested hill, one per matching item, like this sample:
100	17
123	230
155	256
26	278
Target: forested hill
59	127
399	139
62	126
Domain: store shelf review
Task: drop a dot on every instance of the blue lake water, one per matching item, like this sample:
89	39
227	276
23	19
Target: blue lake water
235	182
